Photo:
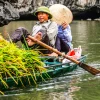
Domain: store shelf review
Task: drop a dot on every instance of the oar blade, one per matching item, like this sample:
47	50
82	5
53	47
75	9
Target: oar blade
89	68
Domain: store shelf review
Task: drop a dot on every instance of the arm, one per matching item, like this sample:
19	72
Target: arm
52	32
64	32
67	33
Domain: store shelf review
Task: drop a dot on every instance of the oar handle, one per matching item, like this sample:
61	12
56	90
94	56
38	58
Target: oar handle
52	49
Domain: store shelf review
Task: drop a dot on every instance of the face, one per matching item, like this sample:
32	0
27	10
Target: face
42	17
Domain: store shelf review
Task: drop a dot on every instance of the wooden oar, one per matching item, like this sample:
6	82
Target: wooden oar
82	65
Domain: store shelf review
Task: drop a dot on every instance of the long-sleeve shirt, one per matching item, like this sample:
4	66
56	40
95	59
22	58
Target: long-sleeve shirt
65	34
52	30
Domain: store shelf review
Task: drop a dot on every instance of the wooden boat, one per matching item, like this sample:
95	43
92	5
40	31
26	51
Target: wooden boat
54	69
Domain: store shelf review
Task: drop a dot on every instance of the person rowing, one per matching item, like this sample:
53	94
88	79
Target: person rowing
45	30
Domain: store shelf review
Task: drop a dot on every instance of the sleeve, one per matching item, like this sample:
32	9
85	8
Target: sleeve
35	29
67	34
60	32
52	32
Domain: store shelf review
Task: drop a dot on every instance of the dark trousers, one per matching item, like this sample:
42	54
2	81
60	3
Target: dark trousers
61	46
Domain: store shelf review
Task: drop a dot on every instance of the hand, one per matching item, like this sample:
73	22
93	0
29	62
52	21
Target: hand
64	25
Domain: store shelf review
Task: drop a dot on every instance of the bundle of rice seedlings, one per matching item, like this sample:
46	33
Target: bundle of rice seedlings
15	62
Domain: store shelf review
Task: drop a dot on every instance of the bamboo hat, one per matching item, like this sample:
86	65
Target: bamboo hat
61	14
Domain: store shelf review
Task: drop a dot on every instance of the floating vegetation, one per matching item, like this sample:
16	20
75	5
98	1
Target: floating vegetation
15	62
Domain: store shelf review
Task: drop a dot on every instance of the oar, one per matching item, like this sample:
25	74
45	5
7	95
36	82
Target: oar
82	65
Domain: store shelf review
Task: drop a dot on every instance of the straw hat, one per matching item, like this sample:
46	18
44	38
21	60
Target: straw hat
43	9
61	14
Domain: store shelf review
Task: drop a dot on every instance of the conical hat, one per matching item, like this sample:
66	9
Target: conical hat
61	14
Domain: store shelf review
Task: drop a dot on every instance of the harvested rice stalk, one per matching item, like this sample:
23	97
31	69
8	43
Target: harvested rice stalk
15	62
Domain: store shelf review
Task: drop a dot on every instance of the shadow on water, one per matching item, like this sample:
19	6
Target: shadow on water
86	34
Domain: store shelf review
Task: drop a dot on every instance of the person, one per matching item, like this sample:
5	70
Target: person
43	14
45	30
64	38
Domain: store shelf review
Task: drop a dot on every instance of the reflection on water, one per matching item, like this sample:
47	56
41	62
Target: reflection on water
55	89
86	34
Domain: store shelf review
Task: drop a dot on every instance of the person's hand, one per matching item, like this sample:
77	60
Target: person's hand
64	25
53	54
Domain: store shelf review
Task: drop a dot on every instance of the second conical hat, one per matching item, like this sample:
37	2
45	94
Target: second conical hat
61	14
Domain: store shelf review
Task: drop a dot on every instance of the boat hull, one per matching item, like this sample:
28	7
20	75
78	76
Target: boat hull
54	69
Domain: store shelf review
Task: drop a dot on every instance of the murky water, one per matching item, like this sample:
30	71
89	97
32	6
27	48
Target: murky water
86	34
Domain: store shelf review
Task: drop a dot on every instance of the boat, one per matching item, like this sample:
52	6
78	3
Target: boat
54	66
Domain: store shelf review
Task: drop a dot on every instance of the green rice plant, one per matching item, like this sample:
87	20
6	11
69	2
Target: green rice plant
15	62
1	93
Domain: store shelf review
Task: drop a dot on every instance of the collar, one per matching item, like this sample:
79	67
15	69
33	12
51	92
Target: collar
48	21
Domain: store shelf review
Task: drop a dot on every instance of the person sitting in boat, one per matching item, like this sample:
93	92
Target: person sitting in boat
64	38
44	30
62	16
43	14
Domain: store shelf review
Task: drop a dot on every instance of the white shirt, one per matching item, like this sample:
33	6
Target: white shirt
52	30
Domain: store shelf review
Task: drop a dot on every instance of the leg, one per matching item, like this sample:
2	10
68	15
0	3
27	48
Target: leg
64	47
58	44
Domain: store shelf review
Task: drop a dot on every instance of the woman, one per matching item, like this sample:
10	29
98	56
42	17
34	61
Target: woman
64	38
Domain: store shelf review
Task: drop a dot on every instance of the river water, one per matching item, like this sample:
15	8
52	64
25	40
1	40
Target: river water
86	34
